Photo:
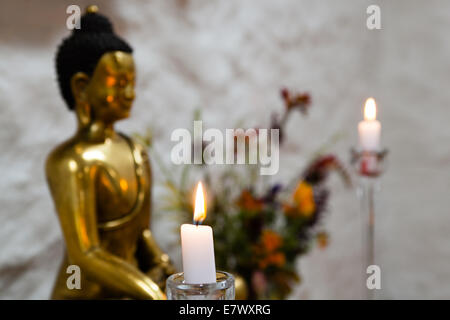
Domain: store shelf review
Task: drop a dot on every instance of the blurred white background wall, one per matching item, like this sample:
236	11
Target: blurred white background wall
231	58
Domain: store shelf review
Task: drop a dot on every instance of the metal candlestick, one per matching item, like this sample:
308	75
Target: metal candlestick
369	165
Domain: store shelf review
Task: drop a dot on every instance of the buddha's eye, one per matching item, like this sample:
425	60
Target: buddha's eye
110	81
122	82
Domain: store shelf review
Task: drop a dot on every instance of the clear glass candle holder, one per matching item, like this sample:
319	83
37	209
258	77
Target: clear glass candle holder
222	289
369	164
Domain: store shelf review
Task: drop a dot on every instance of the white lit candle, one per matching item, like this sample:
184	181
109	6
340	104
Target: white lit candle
369	129
197	245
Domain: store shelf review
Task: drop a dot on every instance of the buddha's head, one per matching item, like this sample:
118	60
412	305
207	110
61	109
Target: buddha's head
95	71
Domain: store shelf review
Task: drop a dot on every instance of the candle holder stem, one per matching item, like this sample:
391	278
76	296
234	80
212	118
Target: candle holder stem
369	165
366	193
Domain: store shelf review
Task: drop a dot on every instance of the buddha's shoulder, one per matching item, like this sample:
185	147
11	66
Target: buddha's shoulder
75	154
135	142
136	145
67	155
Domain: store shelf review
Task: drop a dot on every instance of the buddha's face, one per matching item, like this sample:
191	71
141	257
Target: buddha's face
110	90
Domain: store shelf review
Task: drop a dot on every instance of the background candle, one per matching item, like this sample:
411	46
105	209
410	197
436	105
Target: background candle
197	246
369	129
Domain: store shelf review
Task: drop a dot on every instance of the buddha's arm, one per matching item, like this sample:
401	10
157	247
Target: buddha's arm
73	193
155	263
153	253
149	253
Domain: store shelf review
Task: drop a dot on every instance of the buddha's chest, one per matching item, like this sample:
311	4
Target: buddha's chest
120	184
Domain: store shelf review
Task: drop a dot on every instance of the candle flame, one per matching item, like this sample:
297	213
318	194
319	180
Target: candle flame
200	205
370	109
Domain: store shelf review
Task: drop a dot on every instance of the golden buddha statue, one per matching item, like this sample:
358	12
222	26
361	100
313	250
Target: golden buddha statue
100	180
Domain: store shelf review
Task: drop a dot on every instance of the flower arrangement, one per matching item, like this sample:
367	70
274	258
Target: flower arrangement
261	228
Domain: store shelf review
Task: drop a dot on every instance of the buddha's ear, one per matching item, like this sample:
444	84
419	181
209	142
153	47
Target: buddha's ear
78	84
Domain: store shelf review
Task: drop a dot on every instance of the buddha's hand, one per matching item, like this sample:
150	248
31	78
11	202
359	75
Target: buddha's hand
161	271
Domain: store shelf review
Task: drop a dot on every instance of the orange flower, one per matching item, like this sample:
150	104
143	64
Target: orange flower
268	250
247	202
304	199
271	240
277	259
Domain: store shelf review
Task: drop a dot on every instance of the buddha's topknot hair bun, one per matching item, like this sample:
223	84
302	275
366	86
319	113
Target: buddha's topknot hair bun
81	51
94	23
